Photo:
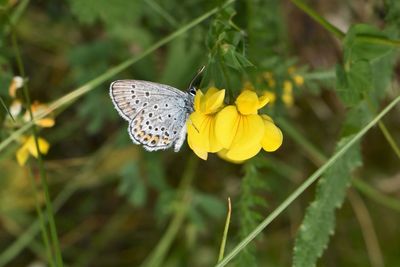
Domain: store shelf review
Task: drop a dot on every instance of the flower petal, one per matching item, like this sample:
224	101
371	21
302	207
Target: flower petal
46	122
247	141
247	102
272	138
262	101
226	123
213	100
31	146
22	155
201	134
197	100
222	154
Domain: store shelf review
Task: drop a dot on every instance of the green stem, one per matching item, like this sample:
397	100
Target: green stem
157	256
42	221
378	40
316	156
320	158
89	86
225	235
376	195
319	19
383	128
305	185
157	8
43	179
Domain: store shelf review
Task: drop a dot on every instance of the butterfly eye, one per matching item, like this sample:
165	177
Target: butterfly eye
192	91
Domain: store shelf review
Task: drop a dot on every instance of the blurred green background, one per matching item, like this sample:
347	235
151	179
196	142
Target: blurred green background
115	201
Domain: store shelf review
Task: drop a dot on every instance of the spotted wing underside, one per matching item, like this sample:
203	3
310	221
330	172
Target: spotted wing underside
156	112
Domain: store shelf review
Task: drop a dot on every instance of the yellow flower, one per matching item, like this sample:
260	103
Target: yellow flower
37	109
16	83
287	95
241	131
269	78
270	95
201	123
298	80
29	148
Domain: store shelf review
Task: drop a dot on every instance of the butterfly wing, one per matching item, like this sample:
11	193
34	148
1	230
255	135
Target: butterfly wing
157	113
129	96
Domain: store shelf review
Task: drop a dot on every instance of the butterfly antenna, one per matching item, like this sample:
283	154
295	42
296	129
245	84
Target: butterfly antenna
199	72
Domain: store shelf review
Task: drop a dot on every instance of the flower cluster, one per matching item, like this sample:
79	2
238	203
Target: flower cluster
295	79
19	116
237	132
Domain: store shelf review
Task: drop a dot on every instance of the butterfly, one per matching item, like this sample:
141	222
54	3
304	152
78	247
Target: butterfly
157	113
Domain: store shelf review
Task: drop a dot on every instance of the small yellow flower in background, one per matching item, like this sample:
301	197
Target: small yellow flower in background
38	108
16	83
298	80
287	95
240	129
269	78
270	95
201	123
29	148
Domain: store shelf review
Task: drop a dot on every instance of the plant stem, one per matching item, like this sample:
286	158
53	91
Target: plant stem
43	179
305	185
42	221
225	235
320	158
157	256
319	19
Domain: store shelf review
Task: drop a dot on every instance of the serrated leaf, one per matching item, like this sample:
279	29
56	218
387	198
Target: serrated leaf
319	221
357	48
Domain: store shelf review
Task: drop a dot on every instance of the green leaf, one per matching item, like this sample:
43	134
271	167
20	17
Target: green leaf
319	221
110	12
358	47
132	186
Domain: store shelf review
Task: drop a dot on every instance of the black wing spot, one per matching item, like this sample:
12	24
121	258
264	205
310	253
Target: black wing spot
147	94
133	96
133	86
153	142
166	105
169	115
147	122
155	106
137	101
156	129
150	114
174	132
150	127
162	128
133	91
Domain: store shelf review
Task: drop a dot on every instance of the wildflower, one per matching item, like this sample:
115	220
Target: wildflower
29	148
240	129
298	80
287	95
201	123
16	83
38	108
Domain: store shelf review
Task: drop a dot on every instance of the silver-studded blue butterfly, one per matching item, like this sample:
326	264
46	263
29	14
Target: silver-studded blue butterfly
156	113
